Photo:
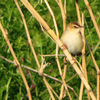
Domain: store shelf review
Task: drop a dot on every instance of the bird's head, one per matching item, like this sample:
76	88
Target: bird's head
74	26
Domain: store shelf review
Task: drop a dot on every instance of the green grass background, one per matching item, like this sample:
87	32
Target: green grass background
11	84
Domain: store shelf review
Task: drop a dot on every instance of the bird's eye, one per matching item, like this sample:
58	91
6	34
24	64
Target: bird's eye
75	26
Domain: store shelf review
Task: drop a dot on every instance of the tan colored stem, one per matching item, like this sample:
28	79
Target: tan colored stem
17	62
63	14
92	17
83	54
83	50
35	56
56	44
64	75
98	71
78	12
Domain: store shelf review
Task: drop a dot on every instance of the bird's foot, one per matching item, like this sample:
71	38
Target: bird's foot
63	47
74	61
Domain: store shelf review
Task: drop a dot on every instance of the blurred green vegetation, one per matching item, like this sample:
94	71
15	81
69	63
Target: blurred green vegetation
11	84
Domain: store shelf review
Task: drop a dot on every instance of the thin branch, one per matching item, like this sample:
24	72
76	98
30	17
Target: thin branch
16	62
54	20
60	55
78	12
63	14
64	75
92	17
33	51
98	70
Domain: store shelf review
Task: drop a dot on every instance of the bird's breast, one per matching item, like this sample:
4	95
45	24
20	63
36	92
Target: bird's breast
73	42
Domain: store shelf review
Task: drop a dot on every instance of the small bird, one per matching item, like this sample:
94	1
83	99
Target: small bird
72	38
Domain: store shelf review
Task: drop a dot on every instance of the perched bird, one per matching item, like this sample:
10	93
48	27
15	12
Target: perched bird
72	38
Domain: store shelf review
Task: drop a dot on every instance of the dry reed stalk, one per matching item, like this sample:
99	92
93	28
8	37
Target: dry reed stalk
60	55
81	91
56	28
89	57
98	85
65	9
54	91
62	88
54	20
96	46
47	85
46	33
63	14
16	61
94	61
79	20
83	54
92	17
97	69
63	79
83	62
64	75
83	50
78	12
61	92
65	61
27	32
33	51
57	2
57	40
